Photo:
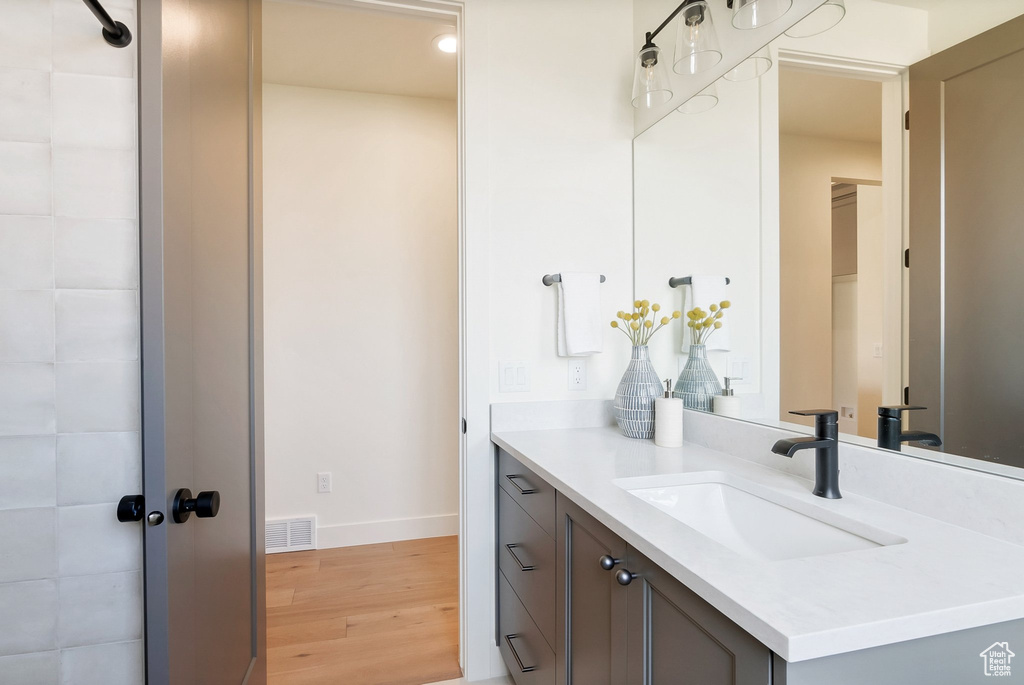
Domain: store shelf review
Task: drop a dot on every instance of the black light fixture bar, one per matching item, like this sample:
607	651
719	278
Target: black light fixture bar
114	32
651	34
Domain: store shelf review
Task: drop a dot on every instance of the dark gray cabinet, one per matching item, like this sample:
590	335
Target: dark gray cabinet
651	631
676	638
592	607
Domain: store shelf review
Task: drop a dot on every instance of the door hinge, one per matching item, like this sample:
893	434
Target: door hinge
906	258
463	426
906	395
906	120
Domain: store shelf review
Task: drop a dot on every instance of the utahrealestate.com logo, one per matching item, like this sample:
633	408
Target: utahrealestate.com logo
997	659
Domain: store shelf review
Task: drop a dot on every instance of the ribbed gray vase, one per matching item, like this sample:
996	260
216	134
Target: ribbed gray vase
634	398
697	384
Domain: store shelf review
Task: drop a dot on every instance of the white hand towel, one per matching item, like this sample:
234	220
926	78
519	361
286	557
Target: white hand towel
705	291
579	315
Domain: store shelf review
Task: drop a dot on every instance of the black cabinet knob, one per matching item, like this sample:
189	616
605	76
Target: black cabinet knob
609	562
131	508
205	505
625	577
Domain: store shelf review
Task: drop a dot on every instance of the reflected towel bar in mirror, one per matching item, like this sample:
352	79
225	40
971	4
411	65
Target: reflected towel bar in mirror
551	279
687	280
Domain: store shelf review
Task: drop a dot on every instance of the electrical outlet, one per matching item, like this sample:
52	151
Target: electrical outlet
578	374
877	350
323	482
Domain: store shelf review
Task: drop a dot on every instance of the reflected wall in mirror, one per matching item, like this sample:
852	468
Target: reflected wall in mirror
805	188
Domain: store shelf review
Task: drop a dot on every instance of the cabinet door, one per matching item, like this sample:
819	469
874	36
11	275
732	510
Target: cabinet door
591	644
676	638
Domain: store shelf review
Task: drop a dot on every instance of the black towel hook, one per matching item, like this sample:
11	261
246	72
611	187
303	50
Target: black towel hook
114	32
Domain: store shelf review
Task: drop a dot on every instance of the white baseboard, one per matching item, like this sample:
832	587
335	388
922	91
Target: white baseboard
371	532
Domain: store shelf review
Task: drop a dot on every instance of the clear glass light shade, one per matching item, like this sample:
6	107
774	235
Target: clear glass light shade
753	14
752	67
696	41
819	21
651	79
701	102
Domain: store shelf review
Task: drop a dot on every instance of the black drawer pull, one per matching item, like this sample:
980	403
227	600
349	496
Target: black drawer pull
515	654
522	566
522	491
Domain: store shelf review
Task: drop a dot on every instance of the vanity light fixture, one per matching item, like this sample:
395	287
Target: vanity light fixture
696	50
650	79
701	102
752	67
696	40
753	14
819	21
447	42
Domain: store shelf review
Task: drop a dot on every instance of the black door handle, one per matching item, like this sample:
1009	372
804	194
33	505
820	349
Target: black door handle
131	508
205	505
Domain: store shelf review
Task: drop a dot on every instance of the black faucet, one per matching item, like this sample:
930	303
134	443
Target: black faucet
891	435
826	445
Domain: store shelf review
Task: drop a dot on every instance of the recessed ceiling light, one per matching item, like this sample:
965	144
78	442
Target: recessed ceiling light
447	42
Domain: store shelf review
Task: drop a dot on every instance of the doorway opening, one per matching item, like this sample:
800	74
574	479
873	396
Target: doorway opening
361	342
841	235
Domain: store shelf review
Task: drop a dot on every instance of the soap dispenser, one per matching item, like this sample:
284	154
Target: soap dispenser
668	419
727	404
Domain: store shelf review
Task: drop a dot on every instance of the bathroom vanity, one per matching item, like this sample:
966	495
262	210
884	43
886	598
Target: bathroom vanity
623	563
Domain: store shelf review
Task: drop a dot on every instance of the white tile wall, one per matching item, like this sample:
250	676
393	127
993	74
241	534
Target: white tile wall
70	584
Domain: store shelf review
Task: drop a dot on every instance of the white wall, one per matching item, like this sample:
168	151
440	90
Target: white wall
361	306
548	188
70	582
559	147
697	211
949	24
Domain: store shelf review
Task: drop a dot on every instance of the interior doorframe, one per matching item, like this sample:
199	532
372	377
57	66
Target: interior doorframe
475	662
895	153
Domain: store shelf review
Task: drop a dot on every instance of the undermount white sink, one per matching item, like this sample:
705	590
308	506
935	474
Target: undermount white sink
752	519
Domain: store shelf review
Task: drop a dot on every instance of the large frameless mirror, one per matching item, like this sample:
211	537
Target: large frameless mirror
869	265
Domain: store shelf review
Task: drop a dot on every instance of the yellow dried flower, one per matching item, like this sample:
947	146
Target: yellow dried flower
615	324
637	304
707	321
718	324
714	307
665	320
645	303
676	314
719	314
634	316
726	304
634	325
648	323
656	307
690	324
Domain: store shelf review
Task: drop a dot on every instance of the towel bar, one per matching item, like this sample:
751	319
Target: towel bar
686	280
551	279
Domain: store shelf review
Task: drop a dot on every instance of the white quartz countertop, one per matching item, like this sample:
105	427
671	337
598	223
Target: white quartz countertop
944	578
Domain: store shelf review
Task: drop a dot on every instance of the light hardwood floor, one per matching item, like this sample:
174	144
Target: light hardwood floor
382	614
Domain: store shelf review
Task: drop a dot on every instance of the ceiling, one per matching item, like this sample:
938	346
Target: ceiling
829	106
342	48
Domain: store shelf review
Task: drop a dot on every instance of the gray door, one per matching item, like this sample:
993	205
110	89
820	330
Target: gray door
591	605
966	165
199	98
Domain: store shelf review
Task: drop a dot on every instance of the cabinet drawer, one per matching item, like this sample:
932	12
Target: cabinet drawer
529	490
526	555
524	649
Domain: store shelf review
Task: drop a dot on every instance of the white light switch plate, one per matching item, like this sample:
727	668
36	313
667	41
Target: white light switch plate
513	377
